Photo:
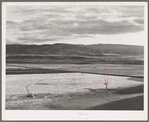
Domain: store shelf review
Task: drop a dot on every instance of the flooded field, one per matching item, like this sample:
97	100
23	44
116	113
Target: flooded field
61	83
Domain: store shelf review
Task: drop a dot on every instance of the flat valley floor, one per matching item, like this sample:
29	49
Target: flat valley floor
74	87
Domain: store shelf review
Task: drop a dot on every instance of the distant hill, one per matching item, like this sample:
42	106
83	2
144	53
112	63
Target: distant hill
119	49
72	49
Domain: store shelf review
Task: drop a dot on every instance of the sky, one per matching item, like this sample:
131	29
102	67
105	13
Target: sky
75	24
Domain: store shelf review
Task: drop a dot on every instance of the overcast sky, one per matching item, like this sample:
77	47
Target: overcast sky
75	24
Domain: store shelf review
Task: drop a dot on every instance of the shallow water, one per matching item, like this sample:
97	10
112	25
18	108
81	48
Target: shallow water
60	83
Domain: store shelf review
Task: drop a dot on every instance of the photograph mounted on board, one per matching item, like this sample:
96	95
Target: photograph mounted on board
82	56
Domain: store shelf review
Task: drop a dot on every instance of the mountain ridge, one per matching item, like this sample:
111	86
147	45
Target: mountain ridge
75	49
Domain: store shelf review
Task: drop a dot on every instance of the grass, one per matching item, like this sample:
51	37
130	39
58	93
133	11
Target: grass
132	90
79	101
135	103
41	101
35	71
115	69
62	59
137	79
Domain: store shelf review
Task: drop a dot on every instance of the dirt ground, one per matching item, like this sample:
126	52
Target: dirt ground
93	100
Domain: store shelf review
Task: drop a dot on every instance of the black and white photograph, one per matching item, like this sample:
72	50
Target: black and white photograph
74	60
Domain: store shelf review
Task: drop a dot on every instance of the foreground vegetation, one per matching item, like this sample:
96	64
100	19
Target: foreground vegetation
94	100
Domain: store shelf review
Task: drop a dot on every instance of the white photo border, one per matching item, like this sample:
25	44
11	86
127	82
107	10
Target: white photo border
73	114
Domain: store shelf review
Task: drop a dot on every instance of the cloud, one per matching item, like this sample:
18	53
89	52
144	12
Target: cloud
139	21
51	23
32	40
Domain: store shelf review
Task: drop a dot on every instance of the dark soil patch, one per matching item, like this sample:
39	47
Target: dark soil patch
35	71
135	103
132	90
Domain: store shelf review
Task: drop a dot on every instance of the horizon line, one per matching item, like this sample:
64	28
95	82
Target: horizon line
77	44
